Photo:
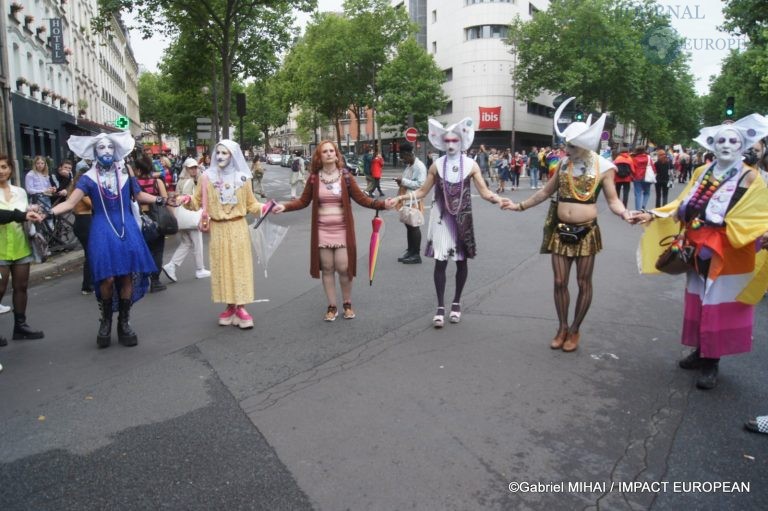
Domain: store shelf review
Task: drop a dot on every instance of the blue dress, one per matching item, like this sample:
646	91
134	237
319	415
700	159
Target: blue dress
114	255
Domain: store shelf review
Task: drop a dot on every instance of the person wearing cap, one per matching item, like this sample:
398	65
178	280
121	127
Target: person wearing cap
451	234
413	178
121	262
722	214
575	235
191	239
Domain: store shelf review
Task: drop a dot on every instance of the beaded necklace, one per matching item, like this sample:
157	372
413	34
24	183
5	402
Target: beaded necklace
582	195
706	189
461	186
103	193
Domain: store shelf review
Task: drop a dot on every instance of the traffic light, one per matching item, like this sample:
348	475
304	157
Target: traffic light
729	107
122	122
579	116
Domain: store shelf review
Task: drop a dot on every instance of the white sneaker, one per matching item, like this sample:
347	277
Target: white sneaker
202	274
170	271
4	309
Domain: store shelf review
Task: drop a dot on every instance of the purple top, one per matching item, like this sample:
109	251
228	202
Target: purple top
36	183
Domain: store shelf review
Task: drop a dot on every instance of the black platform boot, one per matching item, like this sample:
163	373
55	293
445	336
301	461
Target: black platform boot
21	330
104	337
125	335
692	361
708	378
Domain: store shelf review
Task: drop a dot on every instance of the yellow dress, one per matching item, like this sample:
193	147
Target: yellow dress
231	260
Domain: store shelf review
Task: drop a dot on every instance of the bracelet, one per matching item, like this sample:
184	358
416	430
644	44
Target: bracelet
160	201
522	205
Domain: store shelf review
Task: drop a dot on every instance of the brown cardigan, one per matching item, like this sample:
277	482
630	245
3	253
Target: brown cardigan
311	194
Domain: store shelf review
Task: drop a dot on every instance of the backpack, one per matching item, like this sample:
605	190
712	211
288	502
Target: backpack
623	170
295	166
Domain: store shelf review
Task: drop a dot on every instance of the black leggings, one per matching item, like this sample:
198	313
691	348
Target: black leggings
156	248
439	275
561	266
625	188
662	192
19	273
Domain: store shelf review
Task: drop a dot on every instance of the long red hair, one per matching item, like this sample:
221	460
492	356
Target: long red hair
317	157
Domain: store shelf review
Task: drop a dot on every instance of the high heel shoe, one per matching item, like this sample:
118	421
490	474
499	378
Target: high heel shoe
557	342
455	315
439	319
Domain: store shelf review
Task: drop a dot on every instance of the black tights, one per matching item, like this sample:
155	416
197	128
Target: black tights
561	266
461	278
20	275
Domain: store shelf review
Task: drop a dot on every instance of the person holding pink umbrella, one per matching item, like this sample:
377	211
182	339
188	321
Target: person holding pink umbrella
451	233
333	249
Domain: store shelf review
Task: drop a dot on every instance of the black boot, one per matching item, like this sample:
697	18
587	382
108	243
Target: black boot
21	330
708	378
155	285
406	254
692	361
104	337
125	335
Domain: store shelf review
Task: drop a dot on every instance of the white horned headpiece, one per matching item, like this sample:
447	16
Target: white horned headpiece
580	134
463	129
750	128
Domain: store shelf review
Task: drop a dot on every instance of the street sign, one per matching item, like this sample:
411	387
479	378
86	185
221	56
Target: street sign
204	128
203	120
204	135
411	134
122	122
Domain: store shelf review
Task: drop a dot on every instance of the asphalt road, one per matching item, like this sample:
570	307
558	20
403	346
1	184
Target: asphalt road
381	412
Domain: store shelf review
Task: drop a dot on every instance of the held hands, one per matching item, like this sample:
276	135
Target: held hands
279	208
390	202
508	205
34	216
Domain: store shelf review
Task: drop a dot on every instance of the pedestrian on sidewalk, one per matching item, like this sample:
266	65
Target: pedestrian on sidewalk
574	236
121	262
723	218
333	249
191	239
297	172
377	165
413	178
451	233
83	212
367	161
15	252
154	186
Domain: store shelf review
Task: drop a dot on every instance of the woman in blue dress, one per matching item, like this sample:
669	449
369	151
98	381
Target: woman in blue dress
121	262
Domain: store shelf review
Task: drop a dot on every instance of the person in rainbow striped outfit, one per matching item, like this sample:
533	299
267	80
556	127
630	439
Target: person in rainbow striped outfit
723	214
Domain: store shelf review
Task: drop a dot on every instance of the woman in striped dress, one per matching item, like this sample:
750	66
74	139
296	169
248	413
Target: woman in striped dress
451	234
723	212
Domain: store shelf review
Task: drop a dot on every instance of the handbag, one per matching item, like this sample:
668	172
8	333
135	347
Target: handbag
650	174
164	218
37	242
149	228
677	258
204	225
187	219
410	213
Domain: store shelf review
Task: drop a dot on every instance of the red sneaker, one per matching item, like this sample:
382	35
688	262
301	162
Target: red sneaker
242	318
227	317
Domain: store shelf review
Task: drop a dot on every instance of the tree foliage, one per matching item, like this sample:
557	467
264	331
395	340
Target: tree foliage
617	56
156	104
736	79
246	35
410	84
749	18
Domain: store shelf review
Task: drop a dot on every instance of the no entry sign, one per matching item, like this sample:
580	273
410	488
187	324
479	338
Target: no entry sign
411	134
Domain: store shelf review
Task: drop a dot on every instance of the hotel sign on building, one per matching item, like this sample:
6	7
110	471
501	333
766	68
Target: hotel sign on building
490	118
57	42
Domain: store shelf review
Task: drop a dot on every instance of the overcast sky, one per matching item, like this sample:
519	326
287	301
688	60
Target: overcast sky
697	22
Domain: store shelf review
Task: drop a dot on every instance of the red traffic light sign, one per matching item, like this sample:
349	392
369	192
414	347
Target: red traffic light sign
411	134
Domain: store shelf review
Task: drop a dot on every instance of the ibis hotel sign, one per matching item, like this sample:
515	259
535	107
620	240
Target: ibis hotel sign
57	42
490	118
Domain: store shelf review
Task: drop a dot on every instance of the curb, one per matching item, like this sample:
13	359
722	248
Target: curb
56	265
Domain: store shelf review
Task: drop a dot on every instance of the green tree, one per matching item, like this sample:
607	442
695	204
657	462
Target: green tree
750	18
410	84
155	104
246	35
617	56
266	109
736	79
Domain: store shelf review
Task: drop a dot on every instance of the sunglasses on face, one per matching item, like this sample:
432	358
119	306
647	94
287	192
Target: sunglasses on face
451	140
722	140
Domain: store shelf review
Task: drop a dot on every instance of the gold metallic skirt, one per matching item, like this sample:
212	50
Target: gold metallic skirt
591	244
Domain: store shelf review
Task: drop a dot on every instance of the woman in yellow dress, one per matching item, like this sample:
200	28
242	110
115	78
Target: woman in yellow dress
225	195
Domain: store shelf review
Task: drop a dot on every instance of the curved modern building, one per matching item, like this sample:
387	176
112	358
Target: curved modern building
467	40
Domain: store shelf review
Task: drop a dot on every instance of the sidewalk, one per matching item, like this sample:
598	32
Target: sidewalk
59	263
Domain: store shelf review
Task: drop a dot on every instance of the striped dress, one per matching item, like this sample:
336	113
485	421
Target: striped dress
719	300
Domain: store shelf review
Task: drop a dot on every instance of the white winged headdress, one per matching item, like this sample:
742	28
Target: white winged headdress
464	129
580	134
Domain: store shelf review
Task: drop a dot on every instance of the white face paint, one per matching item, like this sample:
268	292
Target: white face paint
727	146
223	156
575	152
452	143
105	151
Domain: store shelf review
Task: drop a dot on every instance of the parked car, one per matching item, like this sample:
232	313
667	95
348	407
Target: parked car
353	164
274	158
